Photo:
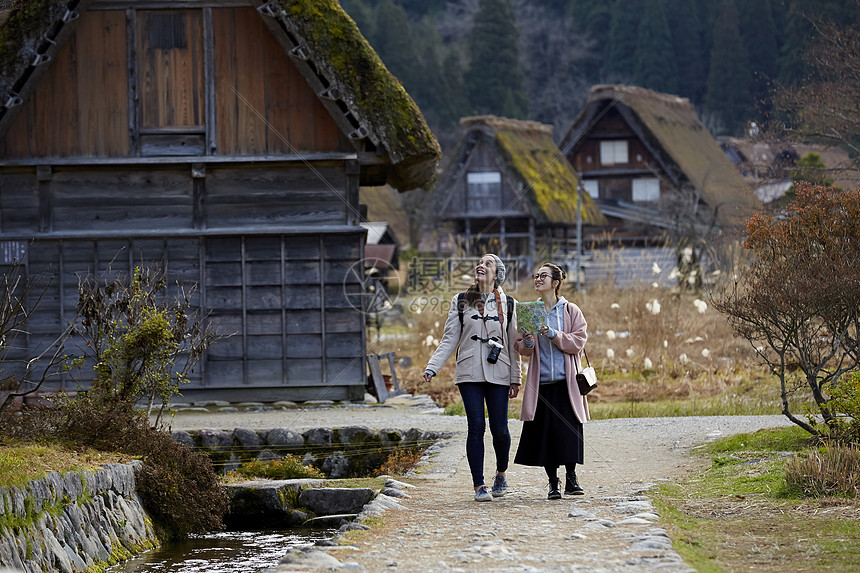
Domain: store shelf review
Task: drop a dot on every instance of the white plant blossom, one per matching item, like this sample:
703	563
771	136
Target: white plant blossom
647	364
610	334
665	344
428	341
705	353
687	255
436	325
674	273
683	358
653	306
610	354
630	353
700	305
655	284
615	306
655	268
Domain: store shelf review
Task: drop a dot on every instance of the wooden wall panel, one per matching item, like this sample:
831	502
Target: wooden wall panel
263	104
170	70
80	105
19	202
121	199
273	196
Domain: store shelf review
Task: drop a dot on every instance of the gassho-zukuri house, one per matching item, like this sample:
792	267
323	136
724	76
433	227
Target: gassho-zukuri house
224	139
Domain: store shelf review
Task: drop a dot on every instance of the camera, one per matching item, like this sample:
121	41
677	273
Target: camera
495	349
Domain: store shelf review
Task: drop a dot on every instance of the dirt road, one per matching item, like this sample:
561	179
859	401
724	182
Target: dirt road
441	528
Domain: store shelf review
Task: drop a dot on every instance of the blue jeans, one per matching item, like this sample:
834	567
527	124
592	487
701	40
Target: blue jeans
474	395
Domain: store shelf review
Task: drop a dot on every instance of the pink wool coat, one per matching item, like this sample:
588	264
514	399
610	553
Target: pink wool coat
571	342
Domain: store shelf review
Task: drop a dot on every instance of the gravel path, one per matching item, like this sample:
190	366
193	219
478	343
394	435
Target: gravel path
440	528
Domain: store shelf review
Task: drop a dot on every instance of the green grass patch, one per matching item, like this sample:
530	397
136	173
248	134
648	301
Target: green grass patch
21	464
738	514
716	406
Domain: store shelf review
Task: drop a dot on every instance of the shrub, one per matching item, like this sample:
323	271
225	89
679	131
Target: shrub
844	402
400	461
833	470
177	486
290	467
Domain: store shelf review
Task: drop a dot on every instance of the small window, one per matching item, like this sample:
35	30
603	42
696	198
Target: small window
613	152
646	190
592	187
484	193
167	32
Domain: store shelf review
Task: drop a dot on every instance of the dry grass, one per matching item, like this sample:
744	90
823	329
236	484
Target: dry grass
684	351
834	470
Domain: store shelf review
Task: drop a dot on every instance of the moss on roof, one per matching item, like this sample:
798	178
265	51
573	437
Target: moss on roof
545	174
347	59
21	29
675	128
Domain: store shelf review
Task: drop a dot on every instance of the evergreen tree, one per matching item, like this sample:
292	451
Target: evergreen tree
494	81
655	65
686	28
454	74
759	36
623	34
393	42
591	20
728	95
362	15
432	94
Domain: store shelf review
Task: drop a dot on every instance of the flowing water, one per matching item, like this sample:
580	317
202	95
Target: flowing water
225	552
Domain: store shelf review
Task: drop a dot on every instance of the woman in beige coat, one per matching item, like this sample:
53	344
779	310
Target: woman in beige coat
483	333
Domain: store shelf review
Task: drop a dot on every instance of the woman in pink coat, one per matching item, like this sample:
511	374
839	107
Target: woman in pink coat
553	409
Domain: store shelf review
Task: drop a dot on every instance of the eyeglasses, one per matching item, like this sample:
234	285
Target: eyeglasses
542	276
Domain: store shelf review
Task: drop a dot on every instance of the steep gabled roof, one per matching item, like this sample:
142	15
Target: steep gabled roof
535	163
687	152
339	64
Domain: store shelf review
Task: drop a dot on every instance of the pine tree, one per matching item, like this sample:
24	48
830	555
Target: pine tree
393	42
655	65
759	36
623	33
494	81
686	28
591	20
362	15
728	96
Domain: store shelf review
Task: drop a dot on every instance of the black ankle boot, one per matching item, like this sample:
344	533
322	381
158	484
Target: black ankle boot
571	486
553	489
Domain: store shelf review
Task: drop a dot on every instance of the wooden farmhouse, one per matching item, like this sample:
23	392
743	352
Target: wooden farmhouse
223	139
507	189
652	166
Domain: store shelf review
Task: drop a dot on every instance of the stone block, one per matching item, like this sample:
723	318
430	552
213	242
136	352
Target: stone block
333	501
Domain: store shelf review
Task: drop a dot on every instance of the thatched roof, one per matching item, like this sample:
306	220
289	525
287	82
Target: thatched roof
669	127
535	163
323	34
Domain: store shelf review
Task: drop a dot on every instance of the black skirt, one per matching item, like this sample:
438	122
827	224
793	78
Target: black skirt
554	437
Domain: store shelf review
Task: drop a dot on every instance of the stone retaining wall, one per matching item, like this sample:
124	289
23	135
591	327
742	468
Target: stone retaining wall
79	521
352	451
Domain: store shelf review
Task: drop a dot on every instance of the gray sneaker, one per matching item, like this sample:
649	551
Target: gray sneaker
500	485
482	494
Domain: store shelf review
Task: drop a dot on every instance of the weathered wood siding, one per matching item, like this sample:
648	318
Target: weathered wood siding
275	255
264	105
172	64
80	106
